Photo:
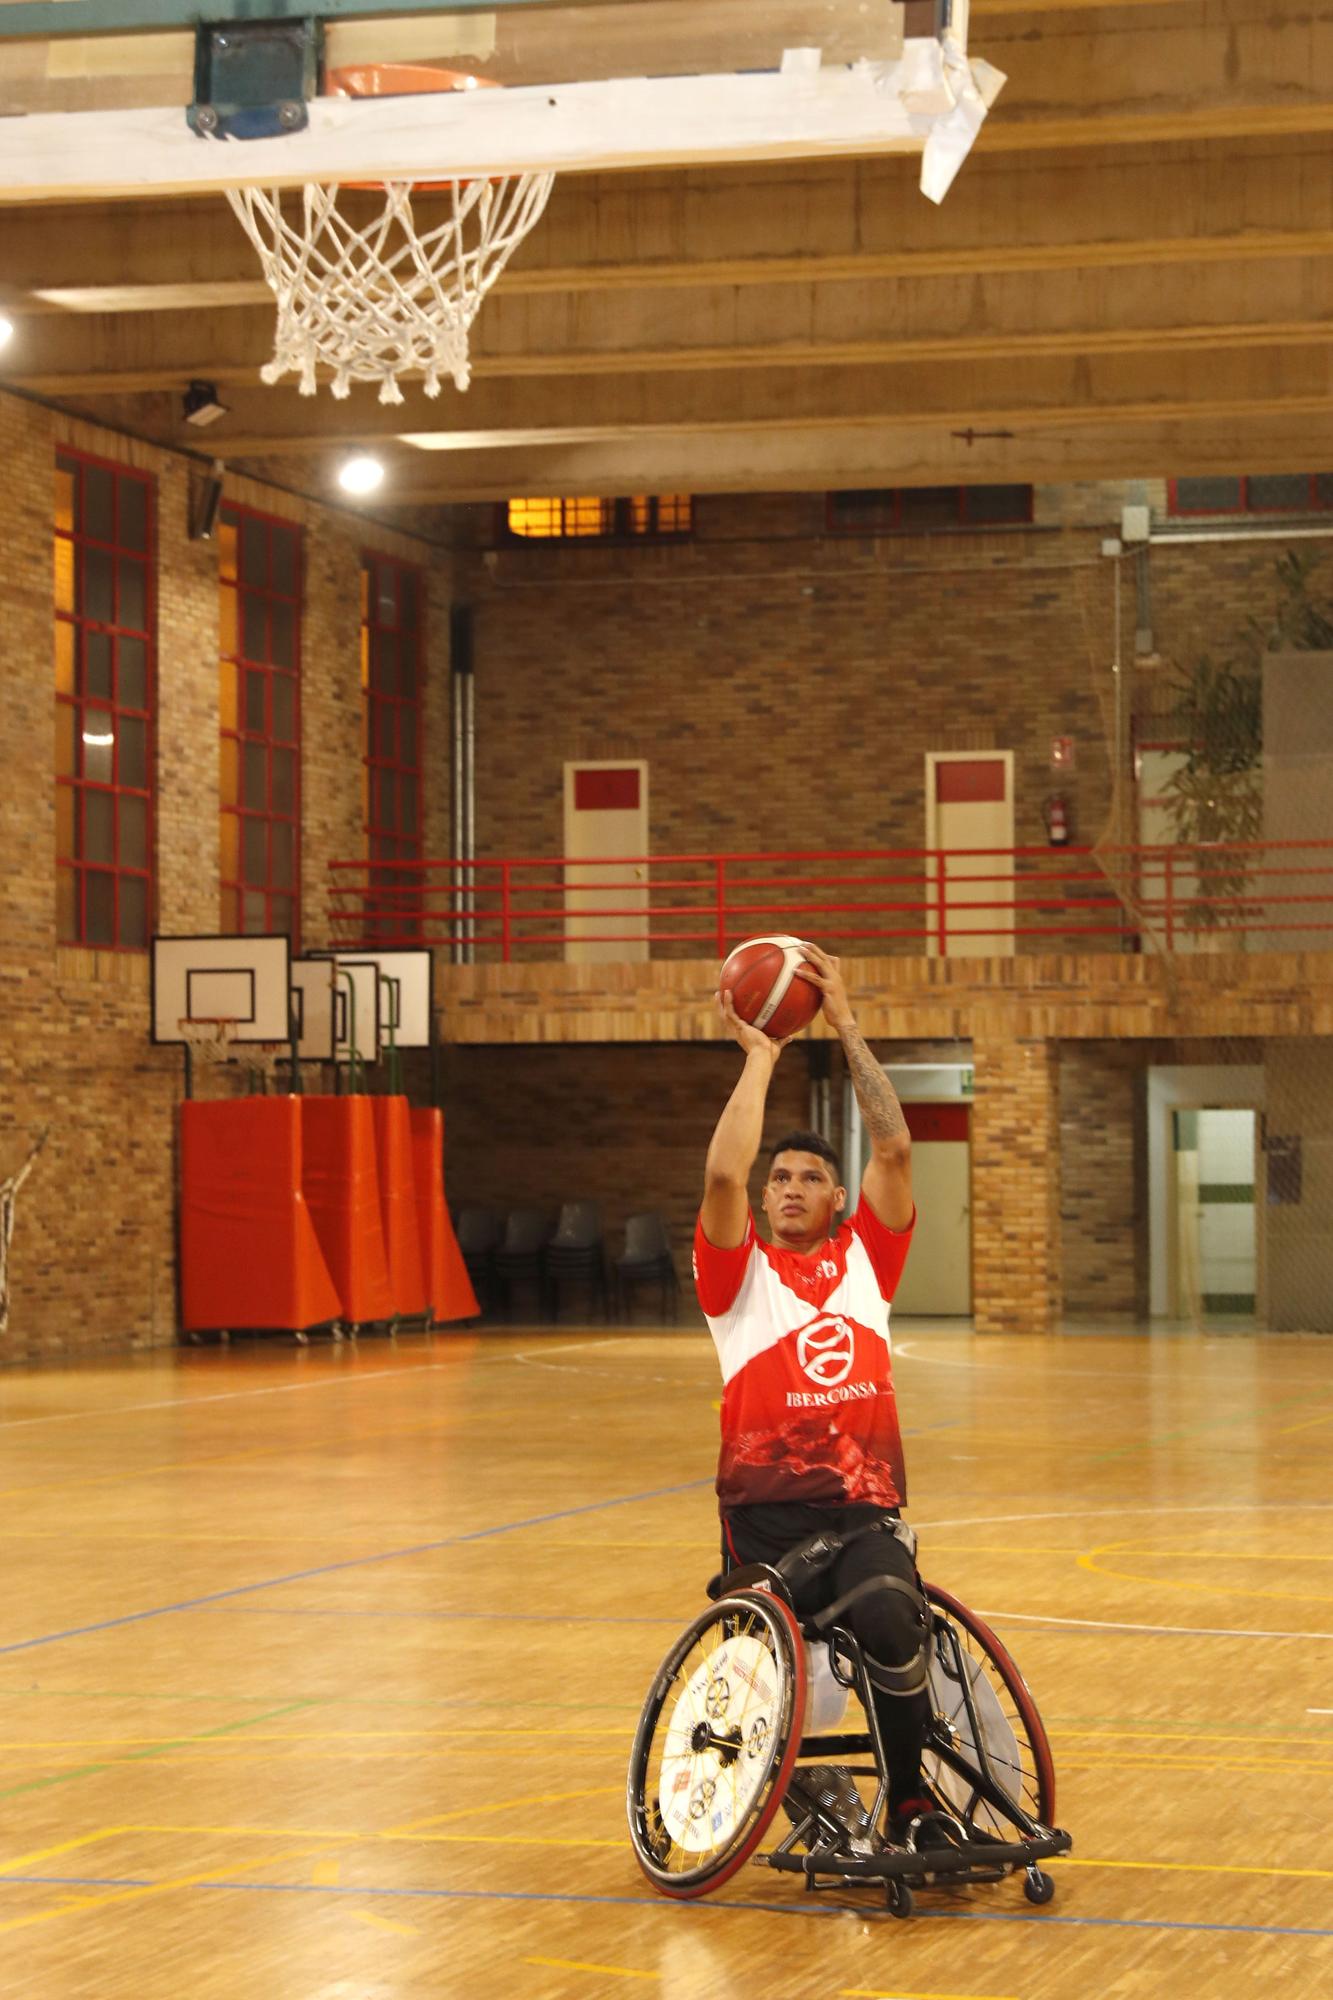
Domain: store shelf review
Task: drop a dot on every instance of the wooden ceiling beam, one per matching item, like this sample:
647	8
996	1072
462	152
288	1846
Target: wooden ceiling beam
1013	391
813	222
1290	305
874	455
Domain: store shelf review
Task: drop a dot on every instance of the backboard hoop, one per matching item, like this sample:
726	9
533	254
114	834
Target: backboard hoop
371	299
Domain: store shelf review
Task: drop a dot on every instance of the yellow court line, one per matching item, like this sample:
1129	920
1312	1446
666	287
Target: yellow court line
1141	1760
385	1923
1112	1736
506	1805
583	1965
1308	1424
552	1729
65	1847
1094	1567
1198	1868
915	1993
350	1835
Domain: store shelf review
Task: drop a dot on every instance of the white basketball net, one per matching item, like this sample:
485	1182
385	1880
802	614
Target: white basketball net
375	302
9	1192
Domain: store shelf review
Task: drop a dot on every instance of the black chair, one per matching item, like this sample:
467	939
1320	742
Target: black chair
520	1258
646	1259
577	1253
478	1231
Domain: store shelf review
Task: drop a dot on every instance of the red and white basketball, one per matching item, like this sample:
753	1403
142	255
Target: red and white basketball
761	978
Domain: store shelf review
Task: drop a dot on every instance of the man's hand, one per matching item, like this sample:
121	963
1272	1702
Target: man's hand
749	1037
825	972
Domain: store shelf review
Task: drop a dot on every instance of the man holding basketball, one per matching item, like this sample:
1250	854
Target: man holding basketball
810	1437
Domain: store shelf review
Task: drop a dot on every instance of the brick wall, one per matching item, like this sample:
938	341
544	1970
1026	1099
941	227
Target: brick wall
93	1263
1016	1247
784	685
1103	1195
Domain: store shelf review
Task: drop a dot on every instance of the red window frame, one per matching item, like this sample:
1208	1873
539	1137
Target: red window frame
261	567
105	615
1313	503
393	629
886	505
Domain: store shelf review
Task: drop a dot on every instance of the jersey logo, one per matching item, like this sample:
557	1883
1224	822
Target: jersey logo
826	1350
827	1268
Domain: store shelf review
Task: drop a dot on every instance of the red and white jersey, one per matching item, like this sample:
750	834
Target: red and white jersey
808	1410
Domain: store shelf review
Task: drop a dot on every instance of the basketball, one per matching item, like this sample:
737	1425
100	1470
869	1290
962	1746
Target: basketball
761	978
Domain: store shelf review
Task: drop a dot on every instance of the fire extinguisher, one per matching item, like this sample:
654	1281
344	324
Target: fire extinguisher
1055	812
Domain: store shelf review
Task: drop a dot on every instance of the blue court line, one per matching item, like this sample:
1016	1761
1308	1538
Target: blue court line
366	1890
486	1617
350	1562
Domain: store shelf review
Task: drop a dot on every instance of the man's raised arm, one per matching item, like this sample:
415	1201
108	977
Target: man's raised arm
887	1181
734	1147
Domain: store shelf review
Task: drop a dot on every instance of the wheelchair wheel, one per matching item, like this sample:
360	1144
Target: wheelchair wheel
716	1743
1011	1730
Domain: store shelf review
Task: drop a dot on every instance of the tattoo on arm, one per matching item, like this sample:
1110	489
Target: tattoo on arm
876	1096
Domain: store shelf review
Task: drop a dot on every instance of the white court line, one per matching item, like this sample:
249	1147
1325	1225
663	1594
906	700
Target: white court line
1184	1631
905	1346
1319	1711
280	1388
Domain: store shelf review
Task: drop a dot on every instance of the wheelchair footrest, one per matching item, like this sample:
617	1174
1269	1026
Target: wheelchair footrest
984	1860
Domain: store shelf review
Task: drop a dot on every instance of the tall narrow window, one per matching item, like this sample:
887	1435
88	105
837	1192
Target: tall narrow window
260	708
391	679
104	646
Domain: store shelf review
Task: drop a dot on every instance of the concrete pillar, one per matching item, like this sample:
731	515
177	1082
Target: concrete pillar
1016	1275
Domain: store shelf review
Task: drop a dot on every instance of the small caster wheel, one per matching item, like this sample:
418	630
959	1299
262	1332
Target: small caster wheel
1038	1887
899	1897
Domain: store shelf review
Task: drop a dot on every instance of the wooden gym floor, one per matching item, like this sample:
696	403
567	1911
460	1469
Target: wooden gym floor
318	1669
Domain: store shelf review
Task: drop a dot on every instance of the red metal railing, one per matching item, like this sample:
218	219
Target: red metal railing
1274	895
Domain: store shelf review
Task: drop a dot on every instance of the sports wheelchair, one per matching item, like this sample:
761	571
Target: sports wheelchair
750	1696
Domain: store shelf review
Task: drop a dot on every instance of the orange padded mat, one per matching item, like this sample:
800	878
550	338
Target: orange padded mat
249	1251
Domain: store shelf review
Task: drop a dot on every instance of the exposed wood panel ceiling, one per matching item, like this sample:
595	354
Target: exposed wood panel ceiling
1132	275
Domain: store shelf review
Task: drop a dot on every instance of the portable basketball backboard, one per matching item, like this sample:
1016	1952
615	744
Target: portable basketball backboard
313	1008
242	980
405	992
357	1032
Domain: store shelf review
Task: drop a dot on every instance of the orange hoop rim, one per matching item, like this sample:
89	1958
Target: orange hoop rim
403	80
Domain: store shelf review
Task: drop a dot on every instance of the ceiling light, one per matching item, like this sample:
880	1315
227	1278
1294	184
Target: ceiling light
200	405
6	329
360	473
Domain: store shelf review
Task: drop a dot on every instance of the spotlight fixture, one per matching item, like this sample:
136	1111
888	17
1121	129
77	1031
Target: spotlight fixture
204	501
200	405
6	329
360	474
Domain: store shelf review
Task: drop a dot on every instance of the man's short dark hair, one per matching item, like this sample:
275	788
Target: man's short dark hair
808	1142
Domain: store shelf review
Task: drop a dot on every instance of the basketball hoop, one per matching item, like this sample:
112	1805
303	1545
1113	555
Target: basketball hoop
9	1193
211	1040
386	298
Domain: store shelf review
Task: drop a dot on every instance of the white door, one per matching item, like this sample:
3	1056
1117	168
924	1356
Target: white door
937	1277
1215	1225
606	874
970	806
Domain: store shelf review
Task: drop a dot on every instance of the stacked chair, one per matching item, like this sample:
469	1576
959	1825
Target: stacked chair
479	1231
520	1262
576	1253
646	1259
